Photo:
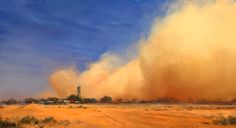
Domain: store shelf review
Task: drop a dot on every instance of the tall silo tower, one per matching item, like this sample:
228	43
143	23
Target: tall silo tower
78	91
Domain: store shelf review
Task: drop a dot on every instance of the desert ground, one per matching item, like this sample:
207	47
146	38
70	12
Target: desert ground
124	115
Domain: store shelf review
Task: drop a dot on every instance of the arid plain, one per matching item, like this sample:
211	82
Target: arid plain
123	115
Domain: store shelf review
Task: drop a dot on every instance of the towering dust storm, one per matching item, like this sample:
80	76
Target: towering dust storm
64	82
189	54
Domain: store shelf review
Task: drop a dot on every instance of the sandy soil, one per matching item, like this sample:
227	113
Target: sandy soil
125	116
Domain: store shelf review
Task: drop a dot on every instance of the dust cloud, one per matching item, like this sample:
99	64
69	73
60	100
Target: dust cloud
189	54
64	81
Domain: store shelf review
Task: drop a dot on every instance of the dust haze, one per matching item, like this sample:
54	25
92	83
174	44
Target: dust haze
189	54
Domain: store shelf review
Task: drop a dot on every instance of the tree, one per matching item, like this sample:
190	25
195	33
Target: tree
233	100
89	100
106	99
73	97
30	100
11	101
119	100
54	99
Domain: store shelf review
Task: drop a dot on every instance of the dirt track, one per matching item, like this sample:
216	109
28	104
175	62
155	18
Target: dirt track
126	116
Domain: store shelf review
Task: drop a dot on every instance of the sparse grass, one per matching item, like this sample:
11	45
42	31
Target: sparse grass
4	123
81	106
48	120
230	120
28	120
64	122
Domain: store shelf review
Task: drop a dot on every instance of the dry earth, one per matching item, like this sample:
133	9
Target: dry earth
125	116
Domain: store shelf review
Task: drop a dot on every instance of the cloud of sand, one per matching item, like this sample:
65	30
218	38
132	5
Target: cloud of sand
64	81
189	54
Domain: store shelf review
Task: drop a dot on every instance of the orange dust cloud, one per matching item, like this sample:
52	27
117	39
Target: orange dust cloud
64	81
189	54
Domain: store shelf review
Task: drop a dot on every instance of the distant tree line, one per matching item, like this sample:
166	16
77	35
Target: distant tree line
55	100
108	99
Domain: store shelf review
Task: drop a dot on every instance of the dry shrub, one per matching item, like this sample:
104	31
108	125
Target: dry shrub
5	123
48	120
64	122
28	120
230	120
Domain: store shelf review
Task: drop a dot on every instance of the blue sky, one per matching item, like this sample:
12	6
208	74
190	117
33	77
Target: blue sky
39	36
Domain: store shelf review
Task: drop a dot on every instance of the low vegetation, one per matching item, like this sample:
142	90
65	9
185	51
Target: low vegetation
5	123
10	102
30	100
106	99
230	120
30	121
74	99
48	120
